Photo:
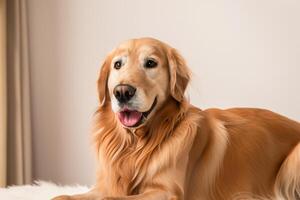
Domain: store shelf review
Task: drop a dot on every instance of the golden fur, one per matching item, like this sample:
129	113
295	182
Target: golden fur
182	152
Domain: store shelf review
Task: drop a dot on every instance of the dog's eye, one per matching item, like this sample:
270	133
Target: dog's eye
150	63
118	64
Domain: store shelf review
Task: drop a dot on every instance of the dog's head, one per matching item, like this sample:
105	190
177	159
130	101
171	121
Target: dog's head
138	77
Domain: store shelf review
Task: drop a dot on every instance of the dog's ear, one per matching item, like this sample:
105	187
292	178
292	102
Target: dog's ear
179	74
102	83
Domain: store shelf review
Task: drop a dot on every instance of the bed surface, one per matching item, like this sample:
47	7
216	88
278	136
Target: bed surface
40	190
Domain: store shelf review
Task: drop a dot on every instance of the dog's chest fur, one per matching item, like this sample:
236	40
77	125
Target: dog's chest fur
132	164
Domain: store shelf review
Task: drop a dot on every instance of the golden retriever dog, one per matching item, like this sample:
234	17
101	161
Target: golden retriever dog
152	144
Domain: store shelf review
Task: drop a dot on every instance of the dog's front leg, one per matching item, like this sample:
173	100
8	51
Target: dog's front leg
91	195
150	195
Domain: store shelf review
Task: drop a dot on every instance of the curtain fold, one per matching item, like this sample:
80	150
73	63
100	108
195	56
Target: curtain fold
3	109
19	170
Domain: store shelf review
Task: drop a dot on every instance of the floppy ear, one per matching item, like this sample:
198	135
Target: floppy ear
102	83
179	74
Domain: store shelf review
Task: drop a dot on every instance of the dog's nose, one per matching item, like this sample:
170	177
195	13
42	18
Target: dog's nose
124	92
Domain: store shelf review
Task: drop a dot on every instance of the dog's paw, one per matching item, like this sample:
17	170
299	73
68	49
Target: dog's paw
62	197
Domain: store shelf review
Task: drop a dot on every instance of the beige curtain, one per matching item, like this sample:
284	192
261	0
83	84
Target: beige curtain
18	95
2	93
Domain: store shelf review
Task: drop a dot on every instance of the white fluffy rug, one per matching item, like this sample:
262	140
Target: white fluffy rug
39	191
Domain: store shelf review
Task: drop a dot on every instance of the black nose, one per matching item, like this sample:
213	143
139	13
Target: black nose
124	92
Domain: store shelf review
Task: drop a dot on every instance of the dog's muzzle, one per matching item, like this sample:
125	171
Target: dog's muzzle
134	118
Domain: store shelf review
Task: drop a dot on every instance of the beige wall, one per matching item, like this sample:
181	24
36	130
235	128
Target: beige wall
243	53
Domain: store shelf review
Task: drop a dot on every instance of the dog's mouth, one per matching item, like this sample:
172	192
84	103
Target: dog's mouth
134	118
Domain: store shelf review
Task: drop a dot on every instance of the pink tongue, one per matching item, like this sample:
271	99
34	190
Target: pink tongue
129	118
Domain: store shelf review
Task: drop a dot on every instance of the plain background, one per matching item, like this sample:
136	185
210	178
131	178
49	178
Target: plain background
242	53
